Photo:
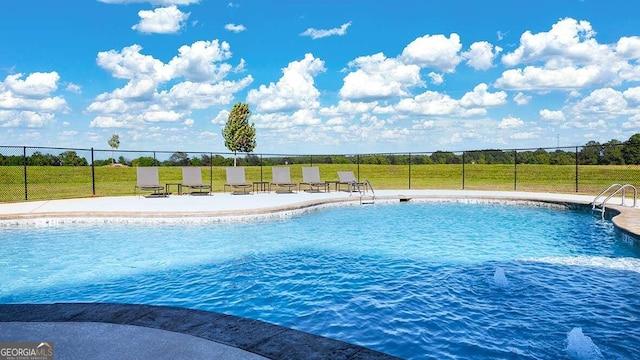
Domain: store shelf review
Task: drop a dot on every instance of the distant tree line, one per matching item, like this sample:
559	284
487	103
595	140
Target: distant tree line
613	152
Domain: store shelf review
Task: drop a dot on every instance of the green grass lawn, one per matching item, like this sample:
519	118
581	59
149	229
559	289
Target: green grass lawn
57	182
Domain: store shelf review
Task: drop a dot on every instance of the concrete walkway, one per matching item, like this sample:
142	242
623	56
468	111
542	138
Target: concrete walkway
79	331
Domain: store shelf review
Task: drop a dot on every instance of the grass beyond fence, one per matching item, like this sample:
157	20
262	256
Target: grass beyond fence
57	182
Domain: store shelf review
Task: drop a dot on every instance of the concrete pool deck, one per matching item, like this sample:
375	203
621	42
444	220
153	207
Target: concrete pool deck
106	331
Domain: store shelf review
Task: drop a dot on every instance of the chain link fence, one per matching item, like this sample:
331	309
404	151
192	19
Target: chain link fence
39	173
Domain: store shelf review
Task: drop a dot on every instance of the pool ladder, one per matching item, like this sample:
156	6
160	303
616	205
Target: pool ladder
363	188
615	189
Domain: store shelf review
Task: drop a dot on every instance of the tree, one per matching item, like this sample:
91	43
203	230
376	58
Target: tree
178	159
114	142
71	158
590	153
612	153
631	150
238	133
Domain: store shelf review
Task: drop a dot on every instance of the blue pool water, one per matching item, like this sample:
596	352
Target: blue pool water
415	280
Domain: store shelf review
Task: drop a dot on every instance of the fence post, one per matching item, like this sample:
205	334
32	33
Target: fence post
93	175
311	160
358	160
515	170
261	169
24	165
576	169
463	170
409	171
211	171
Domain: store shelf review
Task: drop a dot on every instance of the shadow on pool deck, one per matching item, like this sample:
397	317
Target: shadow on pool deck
125	331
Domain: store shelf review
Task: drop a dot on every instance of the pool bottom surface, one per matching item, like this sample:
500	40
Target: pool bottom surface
398	286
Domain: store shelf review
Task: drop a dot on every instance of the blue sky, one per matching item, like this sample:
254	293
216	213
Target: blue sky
319	76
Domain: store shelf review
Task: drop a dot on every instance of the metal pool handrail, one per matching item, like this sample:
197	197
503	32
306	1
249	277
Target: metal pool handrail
620	188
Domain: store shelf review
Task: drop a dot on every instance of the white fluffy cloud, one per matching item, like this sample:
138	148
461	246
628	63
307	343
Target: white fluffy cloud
379	77
201	67
568	42
550	115
235	28
295	90
521	99
319	33
536	78
163	20
434	51
480	97
481	55
569	57
511	122
30	101
202	61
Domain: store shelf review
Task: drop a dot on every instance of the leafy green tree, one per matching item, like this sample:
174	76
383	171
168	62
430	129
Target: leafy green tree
114	142
560	157
145	161
71	158
178	159
40	159
590	153
445	157
631	150
239	134
612	153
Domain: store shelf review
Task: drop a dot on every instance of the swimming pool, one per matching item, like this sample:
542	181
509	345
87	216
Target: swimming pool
416	280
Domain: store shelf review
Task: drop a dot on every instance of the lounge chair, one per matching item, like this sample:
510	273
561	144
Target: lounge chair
349	179
147	180
281	179
236	181
192	178
311	178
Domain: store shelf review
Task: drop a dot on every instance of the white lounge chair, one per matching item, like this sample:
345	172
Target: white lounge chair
349	179
192	178
148	180
311	178
281	179
236	180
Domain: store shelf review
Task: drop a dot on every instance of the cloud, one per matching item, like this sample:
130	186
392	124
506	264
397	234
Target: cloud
480	97
221	118
195	77
521	99
481	55
235	28
430	103
569	57
318	34
511	122
164	20
535	78
36	85
379	77
436	78
568	40
202	61
29	102
550	115
74	88
605	101
294	90
434	51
